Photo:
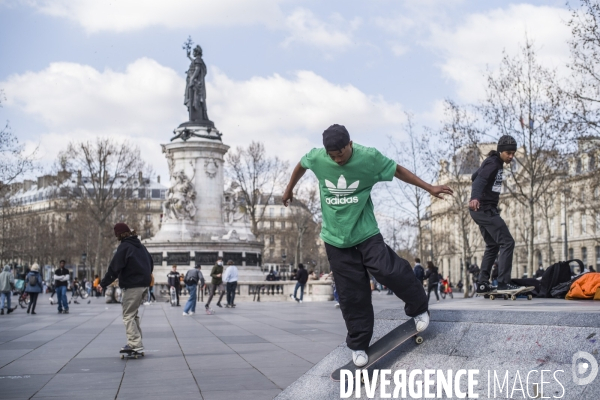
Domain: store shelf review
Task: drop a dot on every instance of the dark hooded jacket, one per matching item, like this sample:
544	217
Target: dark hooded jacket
132	264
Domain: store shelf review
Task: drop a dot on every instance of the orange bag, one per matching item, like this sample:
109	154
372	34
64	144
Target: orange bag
585	288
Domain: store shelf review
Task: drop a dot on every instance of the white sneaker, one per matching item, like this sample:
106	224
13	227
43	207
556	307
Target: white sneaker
146	303
422	321
191	313
185	314
300	301
337	305
360	358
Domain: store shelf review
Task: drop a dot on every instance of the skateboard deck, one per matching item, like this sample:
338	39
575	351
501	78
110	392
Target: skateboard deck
383	346
507	294
173	294
131	354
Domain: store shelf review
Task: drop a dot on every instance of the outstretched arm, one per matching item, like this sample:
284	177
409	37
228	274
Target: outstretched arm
288	194
406	176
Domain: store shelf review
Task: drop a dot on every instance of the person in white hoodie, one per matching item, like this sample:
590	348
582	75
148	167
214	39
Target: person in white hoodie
230	278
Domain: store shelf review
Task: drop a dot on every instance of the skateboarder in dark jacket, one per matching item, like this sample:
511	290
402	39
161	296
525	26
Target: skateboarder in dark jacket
132	265
485	195
346	173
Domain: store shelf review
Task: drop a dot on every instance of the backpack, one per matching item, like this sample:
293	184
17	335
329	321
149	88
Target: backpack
33	280
556	274
190	280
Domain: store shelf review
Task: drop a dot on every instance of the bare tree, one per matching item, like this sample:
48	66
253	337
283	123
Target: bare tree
416	155
108	173
306	215
459	135
13	160
258	176
525	101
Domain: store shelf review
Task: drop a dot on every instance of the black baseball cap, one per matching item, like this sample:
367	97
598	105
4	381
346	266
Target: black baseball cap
335	138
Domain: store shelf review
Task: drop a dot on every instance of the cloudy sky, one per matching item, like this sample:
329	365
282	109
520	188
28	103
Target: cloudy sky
280	71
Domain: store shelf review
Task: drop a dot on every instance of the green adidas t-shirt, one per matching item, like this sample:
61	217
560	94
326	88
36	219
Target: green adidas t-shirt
346	205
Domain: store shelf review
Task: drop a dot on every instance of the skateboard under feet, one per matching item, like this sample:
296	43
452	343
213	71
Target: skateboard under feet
383	346
507	294
131	354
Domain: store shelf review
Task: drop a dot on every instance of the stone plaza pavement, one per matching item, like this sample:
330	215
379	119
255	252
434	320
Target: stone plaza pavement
251	352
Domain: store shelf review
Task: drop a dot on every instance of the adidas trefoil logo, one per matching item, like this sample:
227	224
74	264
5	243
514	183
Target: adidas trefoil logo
341	190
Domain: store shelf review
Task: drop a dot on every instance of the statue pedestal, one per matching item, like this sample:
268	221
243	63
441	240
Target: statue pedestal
193	229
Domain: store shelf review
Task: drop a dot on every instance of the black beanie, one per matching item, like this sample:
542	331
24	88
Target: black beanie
335	138
506	143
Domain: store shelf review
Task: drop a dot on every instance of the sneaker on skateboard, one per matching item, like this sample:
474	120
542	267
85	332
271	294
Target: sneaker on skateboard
127	352
383	346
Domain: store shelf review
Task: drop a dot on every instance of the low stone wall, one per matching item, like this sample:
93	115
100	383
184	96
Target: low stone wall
264	291
509	343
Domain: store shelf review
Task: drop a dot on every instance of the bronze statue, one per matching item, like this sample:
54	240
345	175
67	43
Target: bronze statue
195	89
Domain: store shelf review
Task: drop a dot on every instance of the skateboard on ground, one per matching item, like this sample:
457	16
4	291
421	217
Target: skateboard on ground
383	346
131	354
173	294
507	294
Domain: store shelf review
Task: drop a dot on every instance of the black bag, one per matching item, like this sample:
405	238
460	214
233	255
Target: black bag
556	274
190	281
560	291
33	280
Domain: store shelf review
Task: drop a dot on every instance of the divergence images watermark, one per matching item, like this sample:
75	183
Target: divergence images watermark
430	383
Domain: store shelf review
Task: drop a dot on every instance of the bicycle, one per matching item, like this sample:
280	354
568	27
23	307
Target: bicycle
24	299
445	289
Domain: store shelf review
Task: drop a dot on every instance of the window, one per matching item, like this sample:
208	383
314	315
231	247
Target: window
271	239
597	257
148	233
591	162
271	200
282	224
571	255
570	226
148	217
68	217
156	193
270	253
283	255
540	259
272	226
597	192
271	212
584	224
282	212
578	166
584	256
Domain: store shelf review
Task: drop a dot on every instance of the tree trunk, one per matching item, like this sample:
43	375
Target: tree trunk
530	240
98	251
420	233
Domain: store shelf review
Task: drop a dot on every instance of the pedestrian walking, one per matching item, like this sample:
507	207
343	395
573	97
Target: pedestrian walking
132	265
419	270
433	278
96	286
302	278
485	194
150	291
192	279
33	287
7	285
230	278
174	280
61	282
216	283
346	173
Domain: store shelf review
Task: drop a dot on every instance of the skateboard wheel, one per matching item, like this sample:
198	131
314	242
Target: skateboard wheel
492	297
418	340
513	297
529	297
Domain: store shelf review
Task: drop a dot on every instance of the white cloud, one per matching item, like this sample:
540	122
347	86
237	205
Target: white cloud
304	27
144	104
128	15
478	43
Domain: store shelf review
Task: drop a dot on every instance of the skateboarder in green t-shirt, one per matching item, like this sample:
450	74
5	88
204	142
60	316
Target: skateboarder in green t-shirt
346	173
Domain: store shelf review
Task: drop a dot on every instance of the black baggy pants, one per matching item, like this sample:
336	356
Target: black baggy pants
497	239
351	267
